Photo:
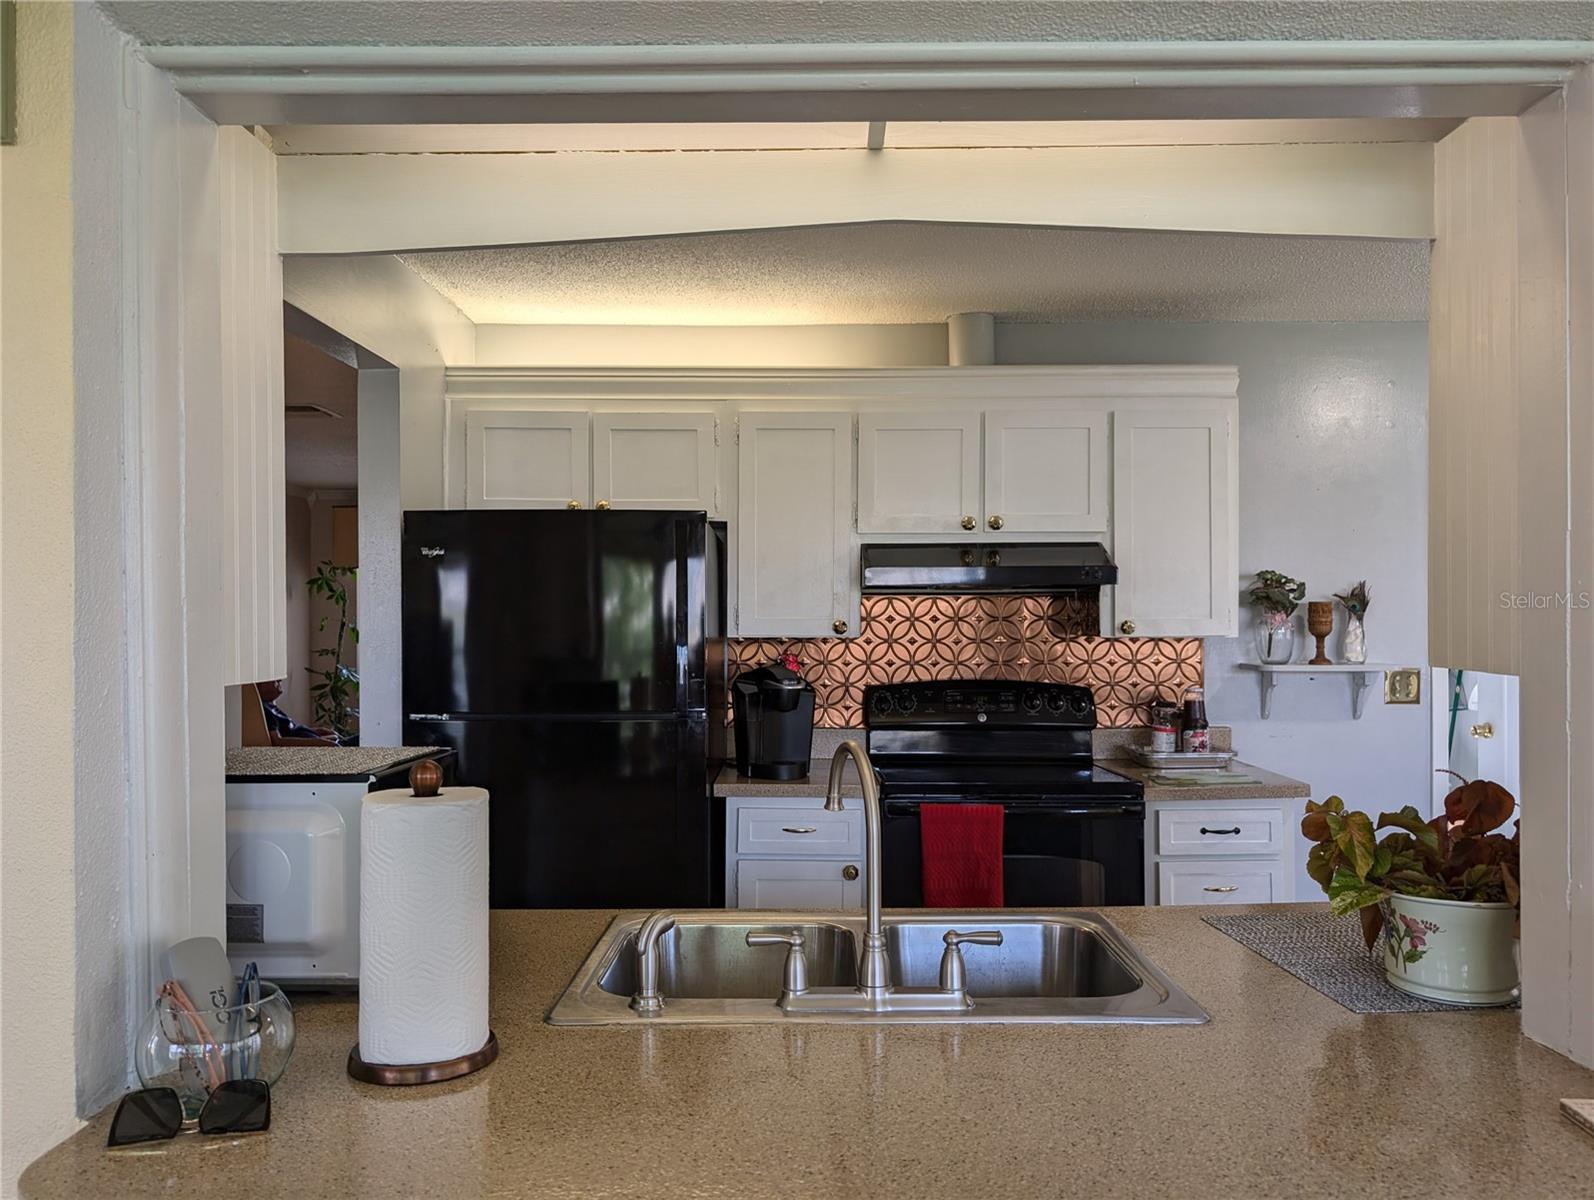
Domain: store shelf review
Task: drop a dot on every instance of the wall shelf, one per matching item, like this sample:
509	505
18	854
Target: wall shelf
1361	678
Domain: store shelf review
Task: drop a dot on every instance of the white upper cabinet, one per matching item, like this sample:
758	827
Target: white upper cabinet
1046	470
1174	522
522	459
918	470
659	459
796	571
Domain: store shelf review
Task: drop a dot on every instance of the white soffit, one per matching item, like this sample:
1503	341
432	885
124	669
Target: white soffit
911	273
837	135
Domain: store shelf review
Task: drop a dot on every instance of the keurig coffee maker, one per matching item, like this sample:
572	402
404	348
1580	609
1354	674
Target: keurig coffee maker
774	709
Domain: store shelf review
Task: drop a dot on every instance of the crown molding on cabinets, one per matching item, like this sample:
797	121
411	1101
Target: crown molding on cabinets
580	385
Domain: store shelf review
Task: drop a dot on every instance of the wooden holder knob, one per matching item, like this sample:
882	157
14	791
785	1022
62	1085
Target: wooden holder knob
426	778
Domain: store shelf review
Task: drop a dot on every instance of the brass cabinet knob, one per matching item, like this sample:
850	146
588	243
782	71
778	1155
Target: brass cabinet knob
603	506
849	872
839	625
994	521
572	505
1483	731
1126	626
969	522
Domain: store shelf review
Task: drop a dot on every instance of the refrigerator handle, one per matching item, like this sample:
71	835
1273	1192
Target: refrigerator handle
684	590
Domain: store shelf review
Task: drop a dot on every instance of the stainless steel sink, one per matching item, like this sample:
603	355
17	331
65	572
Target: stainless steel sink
1050	968
711	960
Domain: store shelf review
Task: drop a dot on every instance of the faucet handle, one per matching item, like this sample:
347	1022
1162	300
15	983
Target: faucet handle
954	975
978	937
795	979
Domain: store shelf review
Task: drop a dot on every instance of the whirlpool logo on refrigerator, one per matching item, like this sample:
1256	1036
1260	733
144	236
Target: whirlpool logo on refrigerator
432	552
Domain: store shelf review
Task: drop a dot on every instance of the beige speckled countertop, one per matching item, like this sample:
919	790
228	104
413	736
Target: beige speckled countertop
1284	1093
1266	785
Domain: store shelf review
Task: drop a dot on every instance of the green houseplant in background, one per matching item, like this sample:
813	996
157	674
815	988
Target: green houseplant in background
336	690
1443	893
1276	597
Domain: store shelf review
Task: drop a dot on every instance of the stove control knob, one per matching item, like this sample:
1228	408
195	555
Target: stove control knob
1080	704
906	701
882	702
1055	702
1032	702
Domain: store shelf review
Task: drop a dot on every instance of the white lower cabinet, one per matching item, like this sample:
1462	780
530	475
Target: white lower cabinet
1230	852
798	883
1259	882
788	852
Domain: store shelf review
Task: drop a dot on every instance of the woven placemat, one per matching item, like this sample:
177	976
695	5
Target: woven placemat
1326	952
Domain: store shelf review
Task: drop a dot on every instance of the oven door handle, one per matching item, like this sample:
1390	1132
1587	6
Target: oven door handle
902	808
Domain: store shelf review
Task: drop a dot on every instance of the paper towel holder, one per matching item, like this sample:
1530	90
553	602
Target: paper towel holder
426	780
408	1075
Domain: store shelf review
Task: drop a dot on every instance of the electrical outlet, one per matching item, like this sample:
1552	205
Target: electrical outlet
1403	686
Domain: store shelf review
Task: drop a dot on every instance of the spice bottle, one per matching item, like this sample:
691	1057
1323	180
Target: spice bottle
1197	735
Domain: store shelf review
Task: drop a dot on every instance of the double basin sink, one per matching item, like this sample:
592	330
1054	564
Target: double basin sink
1049	968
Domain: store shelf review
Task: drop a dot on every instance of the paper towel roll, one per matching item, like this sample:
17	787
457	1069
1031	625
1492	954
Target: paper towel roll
423	925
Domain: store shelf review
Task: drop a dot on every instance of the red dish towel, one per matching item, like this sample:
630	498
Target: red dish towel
962	849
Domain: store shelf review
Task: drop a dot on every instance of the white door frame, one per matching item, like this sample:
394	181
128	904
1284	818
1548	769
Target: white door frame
174	632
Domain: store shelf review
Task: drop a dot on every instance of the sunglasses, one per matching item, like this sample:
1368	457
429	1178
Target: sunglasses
155	1114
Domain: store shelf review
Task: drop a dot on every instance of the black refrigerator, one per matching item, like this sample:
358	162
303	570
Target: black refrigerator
575	662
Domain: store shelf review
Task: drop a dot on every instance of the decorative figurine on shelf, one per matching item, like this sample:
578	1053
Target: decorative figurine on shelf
1276	597
1320	623
1354	647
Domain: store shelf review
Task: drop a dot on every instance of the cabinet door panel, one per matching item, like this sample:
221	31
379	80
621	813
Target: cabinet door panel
798	883
1223	883
918	471
1046	471
795	569
1173	523
655	460
521	459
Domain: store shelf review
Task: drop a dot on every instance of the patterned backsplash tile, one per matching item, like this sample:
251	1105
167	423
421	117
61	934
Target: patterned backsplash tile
1051	638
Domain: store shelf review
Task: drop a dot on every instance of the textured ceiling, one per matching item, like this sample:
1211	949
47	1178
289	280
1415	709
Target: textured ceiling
320	453
901	273
626	22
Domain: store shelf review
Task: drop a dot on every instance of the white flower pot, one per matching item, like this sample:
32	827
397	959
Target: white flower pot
1453	951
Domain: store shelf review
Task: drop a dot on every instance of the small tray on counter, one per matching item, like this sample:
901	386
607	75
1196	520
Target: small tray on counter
1183	760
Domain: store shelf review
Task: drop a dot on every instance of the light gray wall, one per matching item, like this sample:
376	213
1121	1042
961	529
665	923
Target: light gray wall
1333	488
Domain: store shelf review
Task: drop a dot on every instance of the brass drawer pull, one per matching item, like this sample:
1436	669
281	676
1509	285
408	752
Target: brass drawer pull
849	872
1228	887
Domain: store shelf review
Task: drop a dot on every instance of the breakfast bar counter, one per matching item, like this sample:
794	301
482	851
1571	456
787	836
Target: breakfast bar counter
1283	1092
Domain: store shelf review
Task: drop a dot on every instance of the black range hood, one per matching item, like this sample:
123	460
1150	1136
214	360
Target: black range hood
1015	568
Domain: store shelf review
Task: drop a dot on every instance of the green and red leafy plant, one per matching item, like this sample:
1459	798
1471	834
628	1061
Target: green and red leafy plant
1456	856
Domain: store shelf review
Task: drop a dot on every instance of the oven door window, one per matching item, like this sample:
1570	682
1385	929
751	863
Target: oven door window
1052	857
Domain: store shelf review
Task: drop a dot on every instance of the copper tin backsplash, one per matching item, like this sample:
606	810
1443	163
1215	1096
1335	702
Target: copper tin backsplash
1052	638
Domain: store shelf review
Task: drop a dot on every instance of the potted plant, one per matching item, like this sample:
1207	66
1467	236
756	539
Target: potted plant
1276	597
1443	893
336	690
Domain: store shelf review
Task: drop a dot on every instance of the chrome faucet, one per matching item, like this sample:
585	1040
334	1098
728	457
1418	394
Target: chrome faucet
649	1001
874	968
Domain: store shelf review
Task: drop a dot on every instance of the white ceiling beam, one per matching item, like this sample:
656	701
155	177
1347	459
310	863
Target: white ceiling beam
343	204
851	81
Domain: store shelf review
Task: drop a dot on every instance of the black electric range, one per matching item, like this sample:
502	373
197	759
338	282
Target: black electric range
1073	834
